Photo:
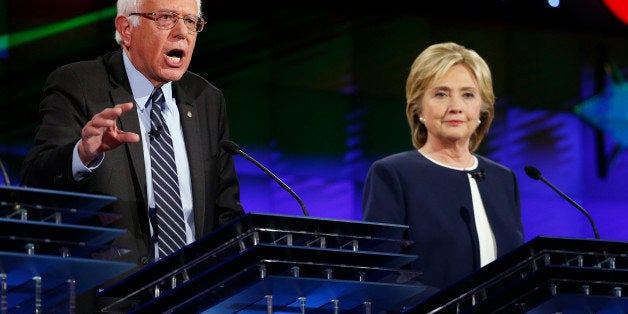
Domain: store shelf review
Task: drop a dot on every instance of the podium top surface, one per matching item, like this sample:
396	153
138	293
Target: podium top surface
45	198
71	206
369	234
258	245
252	229
318	224
529	274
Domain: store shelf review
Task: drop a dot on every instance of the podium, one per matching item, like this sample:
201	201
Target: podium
545	275
46	262
266	263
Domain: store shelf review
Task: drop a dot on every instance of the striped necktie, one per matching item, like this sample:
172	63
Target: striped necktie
170	231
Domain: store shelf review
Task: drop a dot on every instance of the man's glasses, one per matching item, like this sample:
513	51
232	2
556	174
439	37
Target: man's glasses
168	19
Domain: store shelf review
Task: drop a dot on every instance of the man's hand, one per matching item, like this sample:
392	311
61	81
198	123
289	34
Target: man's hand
101	133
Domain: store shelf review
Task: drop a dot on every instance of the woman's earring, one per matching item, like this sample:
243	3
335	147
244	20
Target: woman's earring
479	121
422	119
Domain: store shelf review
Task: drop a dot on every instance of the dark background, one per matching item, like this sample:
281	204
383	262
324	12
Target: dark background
315	91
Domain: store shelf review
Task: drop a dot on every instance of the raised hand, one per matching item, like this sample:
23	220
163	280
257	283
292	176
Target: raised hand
101	133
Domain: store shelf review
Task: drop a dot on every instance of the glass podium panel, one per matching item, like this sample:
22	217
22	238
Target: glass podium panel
47	256
278	260
52	205
30	236
52	279
545	275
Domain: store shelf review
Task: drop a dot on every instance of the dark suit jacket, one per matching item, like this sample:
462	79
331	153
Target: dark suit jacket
435	202
76	92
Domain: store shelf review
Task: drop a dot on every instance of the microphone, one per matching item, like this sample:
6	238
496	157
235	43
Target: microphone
478	174
535	174
155	132
5	174
233	149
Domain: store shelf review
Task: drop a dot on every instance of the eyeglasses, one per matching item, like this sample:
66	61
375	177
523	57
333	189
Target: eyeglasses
168	19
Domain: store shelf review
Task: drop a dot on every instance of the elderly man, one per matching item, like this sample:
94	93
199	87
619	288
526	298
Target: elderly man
137	125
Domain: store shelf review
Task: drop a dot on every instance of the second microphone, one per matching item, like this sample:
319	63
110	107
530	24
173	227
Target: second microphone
233	149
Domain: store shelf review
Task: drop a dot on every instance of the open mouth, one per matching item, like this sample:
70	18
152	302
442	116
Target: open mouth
175	55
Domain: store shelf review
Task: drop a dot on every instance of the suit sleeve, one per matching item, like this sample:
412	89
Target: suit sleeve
62	114
383	199
228	197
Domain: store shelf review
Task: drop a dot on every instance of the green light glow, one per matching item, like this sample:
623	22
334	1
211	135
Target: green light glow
13	40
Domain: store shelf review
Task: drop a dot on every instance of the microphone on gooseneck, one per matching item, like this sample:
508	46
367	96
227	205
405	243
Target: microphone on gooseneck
535	174
5	174
233	149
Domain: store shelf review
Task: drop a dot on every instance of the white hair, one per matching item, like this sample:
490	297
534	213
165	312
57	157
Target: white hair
126	7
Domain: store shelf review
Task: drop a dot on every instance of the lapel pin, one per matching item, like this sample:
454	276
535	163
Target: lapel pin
189	114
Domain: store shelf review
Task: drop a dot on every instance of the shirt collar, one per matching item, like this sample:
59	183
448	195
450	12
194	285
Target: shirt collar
142	88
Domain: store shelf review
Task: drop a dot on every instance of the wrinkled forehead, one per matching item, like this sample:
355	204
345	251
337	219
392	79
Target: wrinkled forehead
183	7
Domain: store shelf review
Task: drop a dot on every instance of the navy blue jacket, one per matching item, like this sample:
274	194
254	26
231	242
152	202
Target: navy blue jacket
435	202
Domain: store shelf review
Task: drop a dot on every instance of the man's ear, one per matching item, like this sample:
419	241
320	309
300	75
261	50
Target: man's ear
123	26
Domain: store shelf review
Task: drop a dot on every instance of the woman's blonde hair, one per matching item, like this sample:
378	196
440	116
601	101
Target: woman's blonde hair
433	63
